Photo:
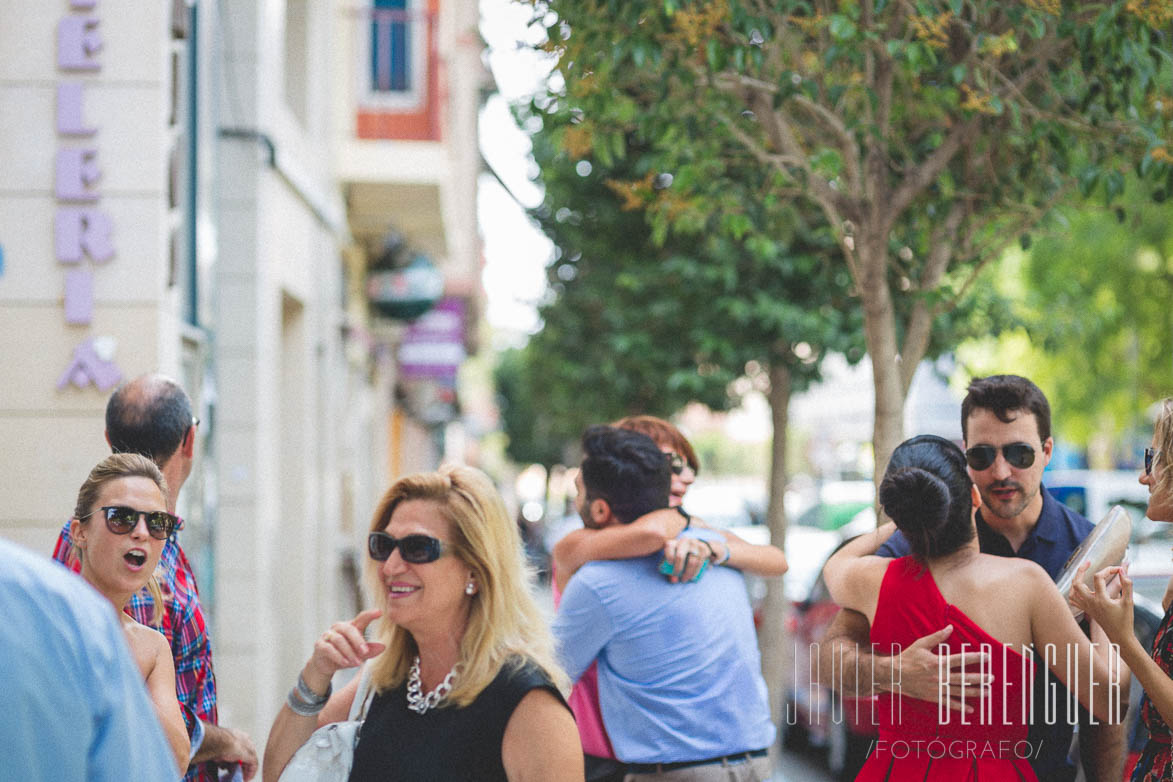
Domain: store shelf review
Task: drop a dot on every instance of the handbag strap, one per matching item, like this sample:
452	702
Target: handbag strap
363	695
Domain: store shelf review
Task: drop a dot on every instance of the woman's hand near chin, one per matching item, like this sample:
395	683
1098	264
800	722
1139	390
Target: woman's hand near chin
342	646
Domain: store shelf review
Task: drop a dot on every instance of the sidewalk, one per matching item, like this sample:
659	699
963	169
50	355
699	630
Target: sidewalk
799	767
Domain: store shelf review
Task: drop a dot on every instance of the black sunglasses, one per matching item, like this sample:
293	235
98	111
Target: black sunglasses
676	462
416	549
1019	455
1150	456
121	520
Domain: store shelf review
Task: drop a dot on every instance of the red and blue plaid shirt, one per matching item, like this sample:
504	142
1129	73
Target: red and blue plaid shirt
182	624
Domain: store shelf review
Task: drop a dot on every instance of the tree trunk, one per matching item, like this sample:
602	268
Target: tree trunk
879	325
777	657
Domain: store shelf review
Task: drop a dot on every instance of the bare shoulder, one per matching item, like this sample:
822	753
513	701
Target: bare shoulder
148	644
872	567
537	708
1013	567
149	637
1015	581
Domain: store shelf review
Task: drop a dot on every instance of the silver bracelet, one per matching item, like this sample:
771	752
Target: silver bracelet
298	706
308	696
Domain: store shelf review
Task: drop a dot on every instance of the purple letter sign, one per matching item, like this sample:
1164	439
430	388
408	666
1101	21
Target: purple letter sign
78	231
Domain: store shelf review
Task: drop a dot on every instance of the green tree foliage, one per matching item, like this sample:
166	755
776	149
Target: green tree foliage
1095	301
535	435
639	326
645	323
925	135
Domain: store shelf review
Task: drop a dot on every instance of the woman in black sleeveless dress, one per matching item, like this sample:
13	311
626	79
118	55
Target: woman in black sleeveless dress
466	687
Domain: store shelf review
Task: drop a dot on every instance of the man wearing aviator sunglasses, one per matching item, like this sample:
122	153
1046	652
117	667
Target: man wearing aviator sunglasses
1006	428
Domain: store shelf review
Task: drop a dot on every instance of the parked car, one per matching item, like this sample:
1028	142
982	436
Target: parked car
1094	492
812	715
836	504
832	515
806	547
844	728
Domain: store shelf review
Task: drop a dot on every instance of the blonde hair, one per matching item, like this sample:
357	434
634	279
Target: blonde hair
505	626
112	468
1163	431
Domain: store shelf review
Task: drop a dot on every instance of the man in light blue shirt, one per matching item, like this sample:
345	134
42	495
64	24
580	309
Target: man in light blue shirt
680	681
75	706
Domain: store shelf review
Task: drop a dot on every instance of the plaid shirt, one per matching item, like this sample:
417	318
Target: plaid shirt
182	624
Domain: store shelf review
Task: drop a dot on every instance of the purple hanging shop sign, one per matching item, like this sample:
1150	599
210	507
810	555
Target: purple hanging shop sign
433	346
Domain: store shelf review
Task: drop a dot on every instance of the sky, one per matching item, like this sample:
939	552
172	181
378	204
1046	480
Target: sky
516	252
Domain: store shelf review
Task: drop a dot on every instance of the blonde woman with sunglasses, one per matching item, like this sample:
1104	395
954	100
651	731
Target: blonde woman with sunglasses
466	686
1153	669
119	526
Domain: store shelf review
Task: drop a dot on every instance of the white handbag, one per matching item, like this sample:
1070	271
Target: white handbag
328	753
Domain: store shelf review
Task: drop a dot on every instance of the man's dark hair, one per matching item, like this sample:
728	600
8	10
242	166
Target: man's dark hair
1002	395
625	468
148	416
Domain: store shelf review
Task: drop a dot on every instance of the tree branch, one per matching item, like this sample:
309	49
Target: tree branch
847	145
1003	239
921	176
920	321
760	153
736	83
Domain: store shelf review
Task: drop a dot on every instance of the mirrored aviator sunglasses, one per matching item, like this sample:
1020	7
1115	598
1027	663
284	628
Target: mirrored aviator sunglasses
121	520
1150	457
416	549
1019	455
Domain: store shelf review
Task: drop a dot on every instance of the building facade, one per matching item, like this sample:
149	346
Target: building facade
202	189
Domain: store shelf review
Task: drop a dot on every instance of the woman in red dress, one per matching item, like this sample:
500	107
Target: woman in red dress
1000	605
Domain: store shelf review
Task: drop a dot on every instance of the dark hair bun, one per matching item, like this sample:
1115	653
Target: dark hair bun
915	499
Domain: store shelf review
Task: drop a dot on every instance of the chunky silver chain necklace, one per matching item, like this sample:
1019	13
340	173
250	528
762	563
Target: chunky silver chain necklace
421	703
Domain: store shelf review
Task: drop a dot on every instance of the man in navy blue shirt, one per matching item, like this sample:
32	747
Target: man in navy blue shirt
1006	428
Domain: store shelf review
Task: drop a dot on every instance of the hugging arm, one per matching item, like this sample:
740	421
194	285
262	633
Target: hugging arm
657	531
646	535
849	665
760	559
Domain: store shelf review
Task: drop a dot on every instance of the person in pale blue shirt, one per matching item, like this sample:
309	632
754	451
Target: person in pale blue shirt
75	707
680	681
